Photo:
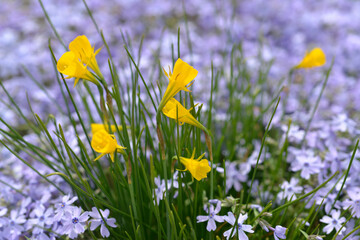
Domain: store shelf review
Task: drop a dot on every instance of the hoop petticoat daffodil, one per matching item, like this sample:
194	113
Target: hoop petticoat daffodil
105	143
69	65
173	109
197	168
179	80
315	58
99	126
82	49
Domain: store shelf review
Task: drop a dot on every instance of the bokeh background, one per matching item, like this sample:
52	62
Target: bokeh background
279	30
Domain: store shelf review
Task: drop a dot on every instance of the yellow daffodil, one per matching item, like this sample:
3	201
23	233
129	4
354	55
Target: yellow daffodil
69	65
82	49
173	109
197	168
105	143
99	126
179	80
315	58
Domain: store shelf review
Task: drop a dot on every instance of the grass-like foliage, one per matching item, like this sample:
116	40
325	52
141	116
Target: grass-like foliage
143	156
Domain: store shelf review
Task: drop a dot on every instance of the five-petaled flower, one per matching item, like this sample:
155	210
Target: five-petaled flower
178	80
100	221
240	227
105	143
197	168
212	217
315	58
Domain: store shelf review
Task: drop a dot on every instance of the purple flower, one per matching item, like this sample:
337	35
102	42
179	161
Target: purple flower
236	174
241	228
212	217
159	190
15	223
42	217
3	211
73	222
333	222
327	201
63	207
354	202
279	232
40	236
290	189
308	165
97	221
350	226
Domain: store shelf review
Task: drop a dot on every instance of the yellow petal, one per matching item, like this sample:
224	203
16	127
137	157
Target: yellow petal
183	73
66	64
179	80
81	47
69	65
103	142
100	156
173	109
198	169
83	51
99	126
315	58
112	156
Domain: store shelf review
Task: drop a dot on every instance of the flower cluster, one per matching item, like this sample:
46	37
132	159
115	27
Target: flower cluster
39	220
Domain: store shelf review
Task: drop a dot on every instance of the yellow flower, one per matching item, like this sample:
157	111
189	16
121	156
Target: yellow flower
315	58
82	49
178	80
69	65
183	115
105	143
197	168
99	126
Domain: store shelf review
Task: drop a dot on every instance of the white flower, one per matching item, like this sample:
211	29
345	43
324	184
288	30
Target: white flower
241	228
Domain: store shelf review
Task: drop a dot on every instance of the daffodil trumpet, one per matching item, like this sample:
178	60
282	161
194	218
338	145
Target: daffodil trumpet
83	50
314	58
99	126
180	79
105	143
197	167
69	65
173	109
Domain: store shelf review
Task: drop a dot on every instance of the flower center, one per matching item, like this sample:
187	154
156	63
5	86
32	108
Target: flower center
62	205
334	222
211	215
41	218
12	223
75	220
306	164
240	226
